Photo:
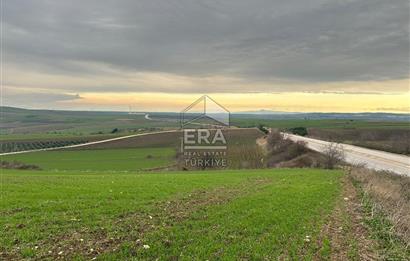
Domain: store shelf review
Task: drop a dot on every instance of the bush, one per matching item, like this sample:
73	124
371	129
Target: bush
281	149
334	155
263	129
301	131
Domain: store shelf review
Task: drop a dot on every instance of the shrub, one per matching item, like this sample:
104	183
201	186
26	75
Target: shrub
301	131
263	129
334	155
281	149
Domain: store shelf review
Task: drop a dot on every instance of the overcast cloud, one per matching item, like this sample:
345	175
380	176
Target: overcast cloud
266	41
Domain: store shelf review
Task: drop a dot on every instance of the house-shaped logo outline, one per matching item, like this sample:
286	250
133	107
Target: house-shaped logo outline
184	121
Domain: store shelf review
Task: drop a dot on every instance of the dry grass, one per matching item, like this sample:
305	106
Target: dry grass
392	140
281	149
284	153
310	159
391	195
246	157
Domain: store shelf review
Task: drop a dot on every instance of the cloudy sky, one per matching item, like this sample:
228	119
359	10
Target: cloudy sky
293	55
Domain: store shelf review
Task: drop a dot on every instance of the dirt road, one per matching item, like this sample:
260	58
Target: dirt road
373	159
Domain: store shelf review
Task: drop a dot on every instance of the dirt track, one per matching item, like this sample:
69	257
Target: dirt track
90	143
373	159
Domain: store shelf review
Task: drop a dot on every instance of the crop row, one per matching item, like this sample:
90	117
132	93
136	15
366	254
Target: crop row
33	145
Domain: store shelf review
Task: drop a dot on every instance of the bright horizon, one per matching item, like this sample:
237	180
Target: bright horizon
177	102
236	102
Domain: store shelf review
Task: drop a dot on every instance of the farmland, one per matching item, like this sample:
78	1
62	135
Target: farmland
125	199
216	214
108	160
13	146
205	130
38	124
21	123
135	153
30	129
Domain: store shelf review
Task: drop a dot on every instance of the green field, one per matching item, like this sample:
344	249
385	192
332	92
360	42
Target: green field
23	123
110	202
20	124
107	159
259	214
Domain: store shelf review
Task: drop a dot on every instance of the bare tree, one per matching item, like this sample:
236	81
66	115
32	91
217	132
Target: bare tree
334	155
274	138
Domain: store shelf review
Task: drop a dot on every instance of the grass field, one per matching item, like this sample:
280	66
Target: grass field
216	215
107	159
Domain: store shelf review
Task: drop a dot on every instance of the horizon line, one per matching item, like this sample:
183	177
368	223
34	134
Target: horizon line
261	111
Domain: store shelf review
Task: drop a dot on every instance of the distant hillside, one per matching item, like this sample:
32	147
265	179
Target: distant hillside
325	116
26	121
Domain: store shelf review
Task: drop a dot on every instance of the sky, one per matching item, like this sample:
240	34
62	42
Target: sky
152	55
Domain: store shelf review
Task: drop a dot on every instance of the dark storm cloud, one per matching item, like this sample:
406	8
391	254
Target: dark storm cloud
293	40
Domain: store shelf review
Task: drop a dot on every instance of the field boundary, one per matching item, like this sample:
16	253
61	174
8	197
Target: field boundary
89	143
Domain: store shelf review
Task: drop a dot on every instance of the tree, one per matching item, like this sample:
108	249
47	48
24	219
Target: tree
334	155
301	131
